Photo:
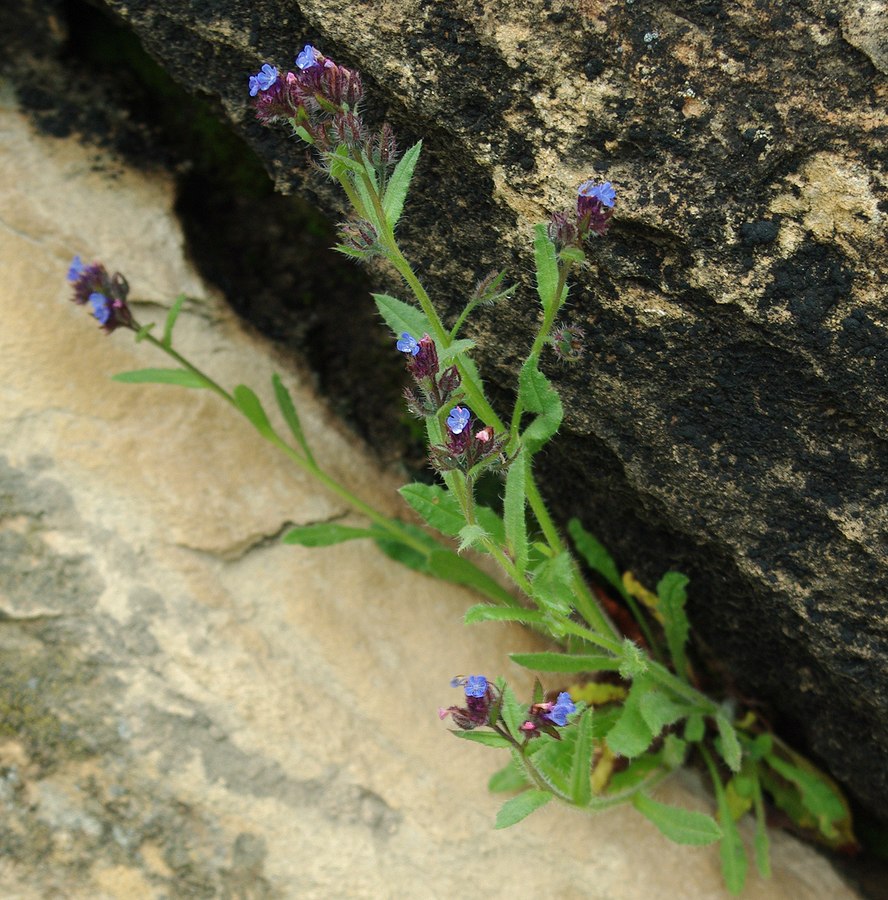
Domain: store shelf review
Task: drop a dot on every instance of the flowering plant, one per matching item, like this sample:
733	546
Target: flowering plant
628	709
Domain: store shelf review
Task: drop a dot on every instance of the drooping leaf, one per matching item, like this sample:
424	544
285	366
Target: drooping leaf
546	263
488	738
518	808
514	511
672	595
325	534
564	662
291	417
401	316
631	735
181	377
249	404
540	397
581	763
683	826
170	323
399	184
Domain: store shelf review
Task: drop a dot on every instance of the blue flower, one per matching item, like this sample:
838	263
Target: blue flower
603	193
476	686
307	58
458	419
408	344
263	80
563	707
101	307
76	269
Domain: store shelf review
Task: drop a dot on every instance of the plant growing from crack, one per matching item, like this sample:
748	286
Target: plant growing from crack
629	710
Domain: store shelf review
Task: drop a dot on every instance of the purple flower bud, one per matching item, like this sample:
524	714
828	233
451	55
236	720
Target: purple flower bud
308	57
563	707
263	79
458	419
408	344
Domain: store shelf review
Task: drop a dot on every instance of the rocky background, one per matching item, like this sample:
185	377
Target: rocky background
729	417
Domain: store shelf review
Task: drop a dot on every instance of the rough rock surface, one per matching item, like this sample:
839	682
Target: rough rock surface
730	417
189	708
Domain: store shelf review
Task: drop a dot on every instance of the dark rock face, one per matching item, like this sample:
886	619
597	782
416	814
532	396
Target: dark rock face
729	418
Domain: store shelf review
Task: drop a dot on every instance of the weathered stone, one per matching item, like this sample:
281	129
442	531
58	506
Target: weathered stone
189	708
730	419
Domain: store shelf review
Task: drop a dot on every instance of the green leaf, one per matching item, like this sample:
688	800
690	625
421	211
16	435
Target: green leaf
762	841
484	613
572	255
596	556
659	710
401	317
436	505
325	534
399	184
448	354
552	583
546	267
562	662
683	826
513	511
143	332
471	536
488	738
672	595
449	566
510	778
538	396
514	713
675	750
291	417
732	851
248	403
303	134
181	377
520	807
581	764
695	728
816	795
172	315
631	736
729	746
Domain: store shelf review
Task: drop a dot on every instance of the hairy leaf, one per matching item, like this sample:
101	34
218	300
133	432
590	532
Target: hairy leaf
683	826
170	323
552	583
546	267
631	736
511	777
659	710
581	764
436	505
399	184
518	808
288	411
729	746
513	511
596	556
325	534
249	404
672	594
514	713
488	738
401	316
563	662
538	396
484	613
181	377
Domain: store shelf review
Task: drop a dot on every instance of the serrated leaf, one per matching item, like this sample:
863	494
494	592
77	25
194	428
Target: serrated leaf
539	396
514	511
249	404
484	613
325	534
471	536
631	735
180	377
487	738
401	316
581	764
563	662
520	807
659	710
672	596
729	746
170	323
546	263
436	505
399	184
593	551
448	354
683	826
510	778
291	417
552	584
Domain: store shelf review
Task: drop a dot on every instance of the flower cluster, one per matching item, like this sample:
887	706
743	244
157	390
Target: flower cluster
589	218
466	448
435	387
483	706
105	293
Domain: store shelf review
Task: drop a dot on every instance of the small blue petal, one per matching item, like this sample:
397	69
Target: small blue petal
476	686
458	419
408	344
563	707
101	307
76	269
307	58
254	85
604	193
